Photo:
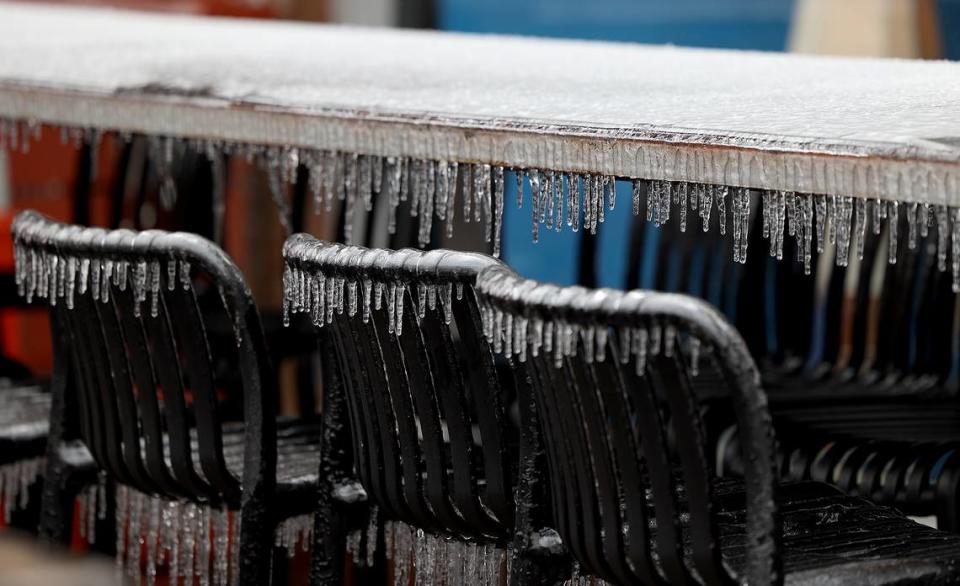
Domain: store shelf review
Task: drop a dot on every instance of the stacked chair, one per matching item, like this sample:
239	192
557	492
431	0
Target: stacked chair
199	472
635	497
860	363
431	439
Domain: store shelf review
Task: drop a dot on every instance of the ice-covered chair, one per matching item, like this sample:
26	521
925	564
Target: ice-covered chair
201	475
417	417
635	496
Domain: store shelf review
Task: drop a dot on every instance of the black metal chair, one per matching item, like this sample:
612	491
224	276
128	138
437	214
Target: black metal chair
635	497
141	388
420	415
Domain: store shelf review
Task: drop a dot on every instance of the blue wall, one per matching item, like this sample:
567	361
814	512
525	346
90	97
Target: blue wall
740	24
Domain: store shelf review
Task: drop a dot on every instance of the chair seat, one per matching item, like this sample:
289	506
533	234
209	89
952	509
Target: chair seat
830	538
893	451
298	453
24	422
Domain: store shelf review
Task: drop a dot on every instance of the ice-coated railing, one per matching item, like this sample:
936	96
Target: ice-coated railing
836	148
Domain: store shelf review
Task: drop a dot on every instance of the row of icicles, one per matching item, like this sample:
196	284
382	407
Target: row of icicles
313	292
558	198
431	560
194	543
16	480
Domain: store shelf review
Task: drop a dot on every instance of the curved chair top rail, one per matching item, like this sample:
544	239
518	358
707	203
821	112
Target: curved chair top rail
52	258
336	270
523	317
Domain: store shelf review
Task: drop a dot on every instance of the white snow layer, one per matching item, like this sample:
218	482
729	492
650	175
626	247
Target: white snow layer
871	128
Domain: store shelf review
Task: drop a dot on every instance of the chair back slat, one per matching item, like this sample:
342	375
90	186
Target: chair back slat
125	399
195	355
148	404
476	356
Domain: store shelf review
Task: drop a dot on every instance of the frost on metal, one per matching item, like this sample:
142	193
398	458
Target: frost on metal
519	321
313	284
16	480
830	147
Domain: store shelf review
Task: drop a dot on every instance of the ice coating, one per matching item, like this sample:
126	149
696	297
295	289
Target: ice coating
16	479
422	558
519	332
883	129
190	543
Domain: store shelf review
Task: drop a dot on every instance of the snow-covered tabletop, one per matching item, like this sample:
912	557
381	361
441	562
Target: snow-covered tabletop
870	128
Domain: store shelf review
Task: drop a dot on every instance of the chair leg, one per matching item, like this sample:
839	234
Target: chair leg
256	543
331	516
56	505
329	536
533	564
948	497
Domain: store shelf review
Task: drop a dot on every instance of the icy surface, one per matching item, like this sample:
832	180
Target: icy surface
563	105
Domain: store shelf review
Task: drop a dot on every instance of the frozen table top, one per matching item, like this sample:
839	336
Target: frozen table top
871	128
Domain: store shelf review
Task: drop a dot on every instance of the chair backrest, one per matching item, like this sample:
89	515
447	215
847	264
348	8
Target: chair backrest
611	375
427	405
132	314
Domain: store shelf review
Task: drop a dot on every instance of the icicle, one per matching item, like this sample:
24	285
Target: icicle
706	205
533	176
637	189
452	182
203	553
821	209
640	348
498	209
669	340
861	226
943	231
190	524
391	192
278	192
611	183
468	193
722	208
481	180
442	190
694	351
878	215
832	214
913	209
71	280
841	227
681	197
807	210
152	529
741	224
185	275
365	181
894	221
372	532
154	288
955	212
367	293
